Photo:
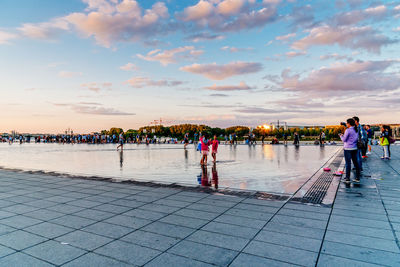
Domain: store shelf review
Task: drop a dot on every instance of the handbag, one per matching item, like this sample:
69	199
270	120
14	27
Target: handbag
391	140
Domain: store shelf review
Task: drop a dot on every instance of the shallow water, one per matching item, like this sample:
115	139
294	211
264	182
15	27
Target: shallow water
269	168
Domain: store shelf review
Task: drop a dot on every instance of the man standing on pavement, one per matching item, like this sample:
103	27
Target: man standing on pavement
362	141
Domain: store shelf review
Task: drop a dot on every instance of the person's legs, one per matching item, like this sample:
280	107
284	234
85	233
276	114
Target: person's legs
359	159
347	158
355	162
389	150
386	152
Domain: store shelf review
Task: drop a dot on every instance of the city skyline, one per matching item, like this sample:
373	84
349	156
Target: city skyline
96	64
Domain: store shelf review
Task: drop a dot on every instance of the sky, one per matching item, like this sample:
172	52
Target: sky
90	65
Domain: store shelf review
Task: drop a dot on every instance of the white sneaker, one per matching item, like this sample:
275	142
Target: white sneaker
369	153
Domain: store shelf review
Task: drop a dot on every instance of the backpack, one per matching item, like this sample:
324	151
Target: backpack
391	140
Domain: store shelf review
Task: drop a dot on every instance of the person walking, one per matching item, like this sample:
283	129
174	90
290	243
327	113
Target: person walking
121	141
296	139
370	135
214	148
350	140
204	149
384	142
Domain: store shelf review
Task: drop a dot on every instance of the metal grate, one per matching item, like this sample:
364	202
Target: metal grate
318	190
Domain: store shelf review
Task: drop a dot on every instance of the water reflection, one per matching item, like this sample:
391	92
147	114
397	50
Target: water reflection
204	178
121	159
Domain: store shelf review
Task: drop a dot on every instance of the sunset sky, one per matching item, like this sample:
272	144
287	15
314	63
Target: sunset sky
94	64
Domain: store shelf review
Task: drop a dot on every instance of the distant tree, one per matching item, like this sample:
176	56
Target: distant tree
115	131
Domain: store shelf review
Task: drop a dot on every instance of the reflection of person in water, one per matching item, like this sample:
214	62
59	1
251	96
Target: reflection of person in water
205	181
214	180
121	159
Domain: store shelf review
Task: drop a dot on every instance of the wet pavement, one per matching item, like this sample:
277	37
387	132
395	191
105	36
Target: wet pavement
55	221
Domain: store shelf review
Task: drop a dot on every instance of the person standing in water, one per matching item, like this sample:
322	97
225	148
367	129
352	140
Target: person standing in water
186	140
204	149
214	148
296	139
121	141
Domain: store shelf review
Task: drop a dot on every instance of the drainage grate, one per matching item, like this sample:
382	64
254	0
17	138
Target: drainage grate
318	190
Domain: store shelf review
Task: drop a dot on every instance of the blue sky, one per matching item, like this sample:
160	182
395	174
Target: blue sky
95	64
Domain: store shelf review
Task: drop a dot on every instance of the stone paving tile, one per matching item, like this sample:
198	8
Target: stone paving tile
364	215
92	259
259	208
128	203
144	214
182	198
94	214
44	214
295	230
204	253
65	208
61	199
112	208
5	229
288	240
218	240
360	221
310	208
172	203
102	199
48	230
19	240
19	221
128	221
73	221
4	251
168	229
197	214
302	222
208	208
42	203
184	221
151	240
19	209
141	198
250	214
54	252
219	203
128	252
84	203
159	208
6	214
255	261
362	241
361	230
286	254
108	230
240	221
263	202
170	260
230	229
329	260
304	214
84	240
21	259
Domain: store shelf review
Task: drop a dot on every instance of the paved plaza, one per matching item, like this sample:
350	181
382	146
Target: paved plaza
54	221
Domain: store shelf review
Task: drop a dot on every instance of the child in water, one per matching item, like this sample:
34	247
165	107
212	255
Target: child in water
204	150
214	148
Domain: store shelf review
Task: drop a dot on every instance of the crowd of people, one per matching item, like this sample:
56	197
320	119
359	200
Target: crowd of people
357	140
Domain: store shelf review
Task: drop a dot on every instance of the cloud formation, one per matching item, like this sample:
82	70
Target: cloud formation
6	37
97	87
45	30
352	37
128	67
69	74
140	82
115	21
242	86
220	72
344	78
93	109
172	55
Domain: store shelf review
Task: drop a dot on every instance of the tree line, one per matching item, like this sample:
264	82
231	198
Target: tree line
178	131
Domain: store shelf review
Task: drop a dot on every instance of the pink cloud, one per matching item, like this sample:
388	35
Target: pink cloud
140	82
241	87
221	72
5	37
344	78
44	30
353	37
172	55
129	67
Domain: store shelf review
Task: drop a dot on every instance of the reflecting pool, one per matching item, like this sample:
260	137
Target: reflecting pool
268	168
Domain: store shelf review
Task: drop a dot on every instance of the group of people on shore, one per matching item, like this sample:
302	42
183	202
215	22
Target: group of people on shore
357	140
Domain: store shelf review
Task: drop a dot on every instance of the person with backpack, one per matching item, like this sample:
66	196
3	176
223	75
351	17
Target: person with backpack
350	140
384	142
362	141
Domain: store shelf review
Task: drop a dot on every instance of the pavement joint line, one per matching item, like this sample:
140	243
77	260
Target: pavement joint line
330	254
384	207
